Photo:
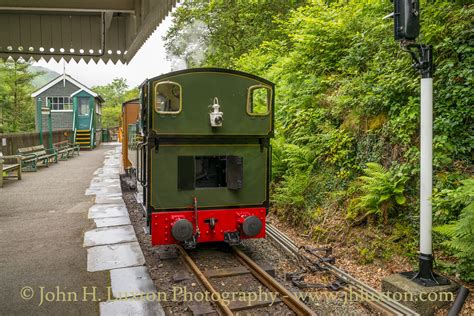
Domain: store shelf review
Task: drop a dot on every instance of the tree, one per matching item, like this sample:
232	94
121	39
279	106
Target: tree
212	33
17	112
111	116
114	92
131	94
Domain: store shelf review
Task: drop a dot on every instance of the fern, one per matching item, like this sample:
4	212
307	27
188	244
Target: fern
448	203
461	233
293	193
377	191
279	166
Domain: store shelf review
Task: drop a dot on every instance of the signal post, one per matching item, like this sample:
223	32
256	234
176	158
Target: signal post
424	286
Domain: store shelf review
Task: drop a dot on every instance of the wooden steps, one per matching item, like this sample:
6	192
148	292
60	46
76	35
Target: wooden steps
83	138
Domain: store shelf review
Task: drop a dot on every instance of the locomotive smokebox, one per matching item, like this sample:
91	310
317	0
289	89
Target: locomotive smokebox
252	226
182	230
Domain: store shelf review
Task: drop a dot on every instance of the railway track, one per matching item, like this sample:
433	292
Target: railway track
283	294
379	302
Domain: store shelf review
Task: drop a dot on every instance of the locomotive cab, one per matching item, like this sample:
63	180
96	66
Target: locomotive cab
207	168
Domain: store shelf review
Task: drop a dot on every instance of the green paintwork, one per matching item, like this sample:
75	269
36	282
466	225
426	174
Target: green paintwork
92	121
198	92
84	121
189	133
39	105
74	112
50	128
165	169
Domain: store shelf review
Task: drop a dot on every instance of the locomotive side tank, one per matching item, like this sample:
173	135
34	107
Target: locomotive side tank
205	161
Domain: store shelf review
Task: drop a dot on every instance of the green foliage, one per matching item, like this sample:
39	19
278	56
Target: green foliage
461	232
213	32
17	111
260	99
448	203
403	240
111	116
293	194
346	95
114	94
384	244
367	255
131	94
378	190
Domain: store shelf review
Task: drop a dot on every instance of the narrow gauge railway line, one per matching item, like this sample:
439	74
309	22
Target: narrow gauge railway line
206	279
382	304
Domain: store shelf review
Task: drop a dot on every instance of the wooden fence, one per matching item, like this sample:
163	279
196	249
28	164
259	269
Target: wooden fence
9	143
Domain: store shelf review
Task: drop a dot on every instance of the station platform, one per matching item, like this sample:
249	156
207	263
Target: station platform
43	260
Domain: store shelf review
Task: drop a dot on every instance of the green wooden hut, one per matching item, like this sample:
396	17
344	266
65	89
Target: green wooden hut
73	106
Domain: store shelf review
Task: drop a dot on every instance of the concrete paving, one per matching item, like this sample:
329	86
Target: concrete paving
112	221
114	198
109	235
107	210
42	223
114	256
132	281
113	246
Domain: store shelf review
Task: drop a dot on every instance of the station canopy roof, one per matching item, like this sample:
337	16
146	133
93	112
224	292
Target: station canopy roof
78	29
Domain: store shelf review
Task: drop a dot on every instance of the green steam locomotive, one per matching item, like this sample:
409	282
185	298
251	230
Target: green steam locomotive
203	155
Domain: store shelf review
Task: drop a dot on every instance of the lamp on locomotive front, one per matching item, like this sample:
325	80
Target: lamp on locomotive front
216	116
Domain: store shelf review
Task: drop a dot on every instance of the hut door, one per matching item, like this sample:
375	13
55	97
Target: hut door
83	110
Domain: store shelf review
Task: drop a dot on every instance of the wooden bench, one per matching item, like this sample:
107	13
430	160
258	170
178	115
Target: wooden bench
14	165
34	155
64	150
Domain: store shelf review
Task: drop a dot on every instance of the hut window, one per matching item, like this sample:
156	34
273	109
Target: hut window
167	98
259	100
83	106
60	103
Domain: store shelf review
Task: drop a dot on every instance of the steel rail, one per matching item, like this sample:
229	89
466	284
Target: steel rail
285	295
381	302
202	278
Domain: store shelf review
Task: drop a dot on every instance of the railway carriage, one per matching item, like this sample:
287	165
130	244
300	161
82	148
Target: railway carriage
204	155
130	110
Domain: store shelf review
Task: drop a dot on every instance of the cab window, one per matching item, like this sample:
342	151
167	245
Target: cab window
259	100
167	98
